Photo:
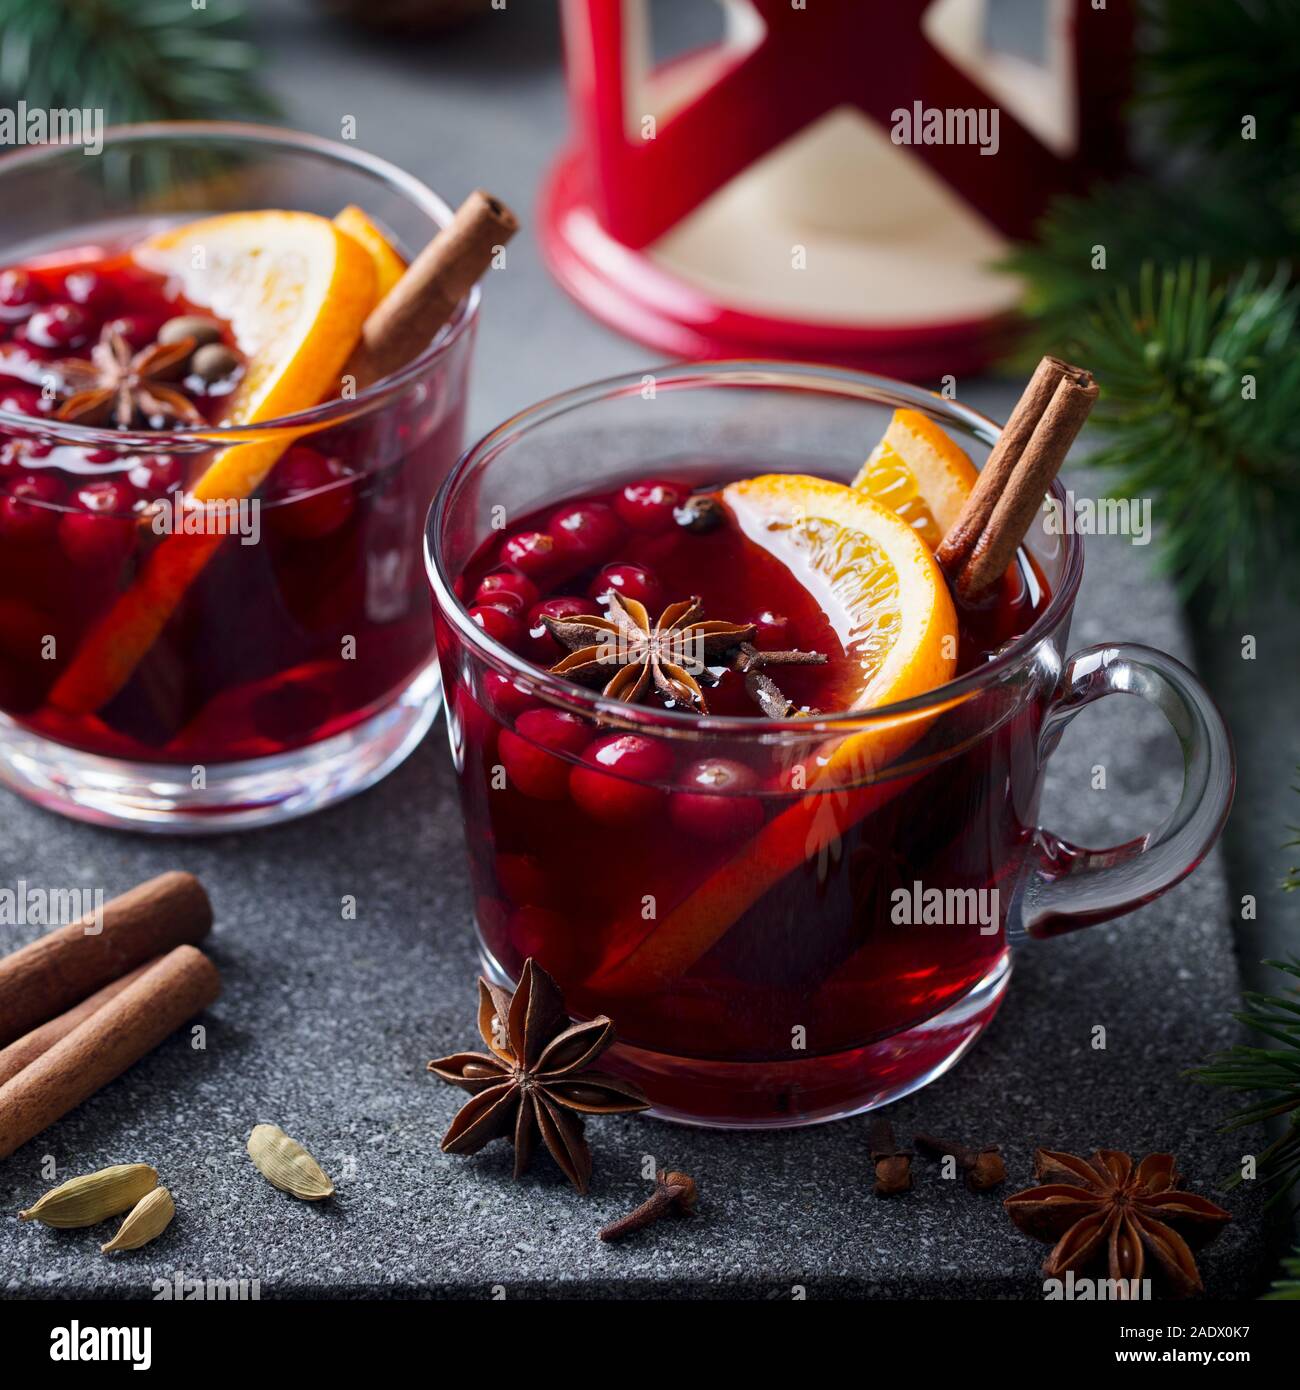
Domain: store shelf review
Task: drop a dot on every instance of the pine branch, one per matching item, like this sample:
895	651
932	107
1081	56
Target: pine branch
1197	412
1273	1073
134	59
1285	1290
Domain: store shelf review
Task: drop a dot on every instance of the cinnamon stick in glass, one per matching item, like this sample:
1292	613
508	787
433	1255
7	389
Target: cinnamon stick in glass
1013	482
409	316
102	1047
50	975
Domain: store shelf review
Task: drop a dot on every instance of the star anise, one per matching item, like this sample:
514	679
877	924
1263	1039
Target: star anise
536	1079
1105	1211
124	386
664	656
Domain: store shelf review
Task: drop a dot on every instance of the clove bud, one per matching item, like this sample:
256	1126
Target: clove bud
983	1168
674	1192
893	1164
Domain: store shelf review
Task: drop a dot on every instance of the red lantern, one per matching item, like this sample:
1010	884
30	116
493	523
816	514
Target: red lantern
833	180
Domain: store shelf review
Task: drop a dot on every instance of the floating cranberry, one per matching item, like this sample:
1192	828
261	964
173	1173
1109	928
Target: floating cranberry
29	510
23	400
102	531
20	296
723	807
552	940
523	880
504	696
542	647
150	475
503	599
611	785
492	586
139	330
649	506
630	581
533	552
585	534
59	326
499	625
310	496
91	291
530	753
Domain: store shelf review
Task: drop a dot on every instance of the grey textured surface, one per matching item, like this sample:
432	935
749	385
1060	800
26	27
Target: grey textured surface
325	1024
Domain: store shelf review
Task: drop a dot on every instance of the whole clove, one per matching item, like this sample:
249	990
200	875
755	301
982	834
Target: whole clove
893	1163
675	1194
982	1168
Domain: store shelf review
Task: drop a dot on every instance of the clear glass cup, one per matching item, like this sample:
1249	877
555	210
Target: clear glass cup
764	978
296	670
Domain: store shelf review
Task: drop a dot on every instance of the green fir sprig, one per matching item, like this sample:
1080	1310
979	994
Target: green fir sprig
1199	383
1271	1073
137	60
1286	1290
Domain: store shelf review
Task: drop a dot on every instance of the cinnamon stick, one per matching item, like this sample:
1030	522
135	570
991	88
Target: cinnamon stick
408	317
1044	424
47	977
32	1045
956	547
104	1045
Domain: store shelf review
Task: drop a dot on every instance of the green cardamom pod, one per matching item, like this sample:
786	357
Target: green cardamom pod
149	1218
93	1197
287	1165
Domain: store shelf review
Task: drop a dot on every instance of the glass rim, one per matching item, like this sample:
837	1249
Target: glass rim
299	422
731	371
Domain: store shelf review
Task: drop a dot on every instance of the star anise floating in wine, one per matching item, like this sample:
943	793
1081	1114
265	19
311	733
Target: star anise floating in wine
125	387
664	657
536	1079
1106	1213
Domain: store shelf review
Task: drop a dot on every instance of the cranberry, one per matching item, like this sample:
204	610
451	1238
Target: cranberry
91	291
151	476
585	534
629	581
772	630
492	586
503	599
309	495
504	696
102	532
59	326
602	786
28	512
533	552
522	879
139	330
649	506
20	296
543	648
23	400
552	940
723	807
498	624
530	753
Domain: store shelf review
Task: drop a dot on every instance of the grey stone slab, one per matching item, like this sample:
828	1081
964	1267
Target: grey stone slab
325	1024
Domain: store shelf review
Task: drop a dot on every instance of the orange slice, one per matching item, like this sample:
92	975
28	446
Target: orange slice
879	584
389	266
296	291
919	472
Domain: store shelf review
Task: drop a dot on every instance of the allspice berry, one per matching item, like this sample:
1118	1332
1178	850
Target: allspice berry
202	329
214	362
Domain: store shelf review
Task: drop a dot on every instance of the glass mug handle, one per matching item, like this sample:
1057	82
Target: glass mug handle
1065	886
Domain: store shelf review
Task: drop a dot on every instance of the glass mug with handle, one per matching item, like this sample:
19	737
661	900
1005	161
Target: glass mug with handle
827	923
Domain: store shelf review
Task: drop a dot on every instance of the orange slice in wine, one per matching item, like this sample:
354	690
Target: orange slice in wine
919	472
389	266
296	290
879	584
